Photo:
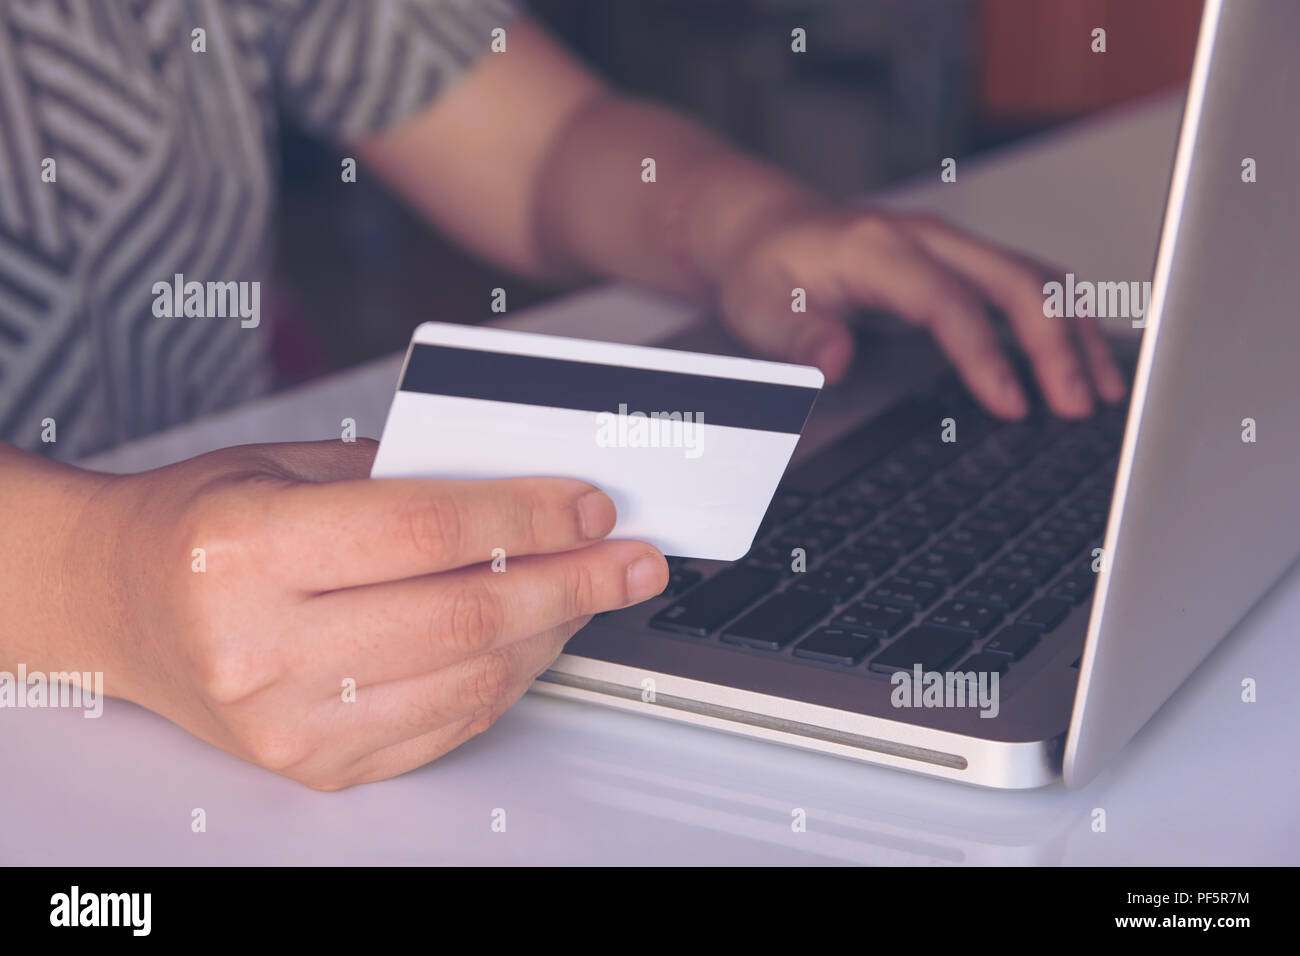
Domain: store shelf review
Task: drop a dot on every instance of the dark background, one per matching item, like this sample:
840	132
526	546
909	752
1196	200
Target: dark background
886	89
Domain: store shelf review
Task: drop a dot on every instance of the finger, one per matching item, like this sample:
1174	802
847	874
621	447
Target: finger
1016	287
349	533
1106	377
403	628
902	277
386	754
414	753
407	755
481	688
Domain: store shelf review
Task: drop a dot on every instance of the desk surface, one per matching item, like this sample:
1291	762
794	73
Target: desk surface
1210	780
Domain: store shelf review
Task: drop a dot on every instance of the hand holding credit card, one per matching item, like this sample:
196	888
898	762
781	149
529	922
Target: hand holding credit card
690	447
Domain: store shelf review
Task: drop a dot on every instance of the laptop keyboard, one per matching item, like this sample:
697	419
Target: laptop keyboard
917	551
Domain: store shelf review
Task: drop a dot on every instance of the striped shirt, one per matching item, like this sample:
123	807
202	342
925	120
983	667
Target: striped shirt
138	153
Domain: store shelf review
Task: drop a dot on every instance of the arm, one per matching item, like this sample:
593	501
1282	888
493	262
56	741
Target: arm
533	162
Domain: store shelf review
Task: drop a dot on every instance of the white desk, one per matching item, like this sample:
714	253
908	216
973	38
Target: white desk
1209	780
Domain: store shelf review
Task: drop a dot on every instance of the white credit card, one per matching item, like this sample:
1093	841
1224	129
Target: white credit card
689	446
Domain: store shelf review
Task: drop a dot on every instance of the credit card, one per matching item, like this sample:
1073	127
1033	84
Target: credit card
689	446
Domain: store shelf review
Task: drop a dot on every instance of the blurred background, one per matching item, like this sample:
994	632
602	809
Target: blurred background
886	89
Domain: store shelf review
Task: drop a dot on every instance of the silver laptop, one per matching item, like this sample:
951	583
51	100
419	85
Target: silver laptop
1011	607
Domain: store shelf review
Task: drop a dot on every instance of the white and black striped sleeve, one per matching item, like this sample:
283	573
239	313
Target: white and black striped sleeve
349	68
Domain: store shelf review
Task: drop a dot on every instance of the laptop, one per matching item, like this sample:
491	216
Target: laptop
1008	608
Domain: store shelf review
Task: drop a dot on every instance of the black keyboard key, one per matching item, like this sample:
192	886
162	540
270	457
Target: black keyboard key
837	583
977	620
1056	430
681	580
875	618
929	516
871	494
978	544
1045	613
769	558
893	536
807	535
845	563
897	472
1014	641
989	459
1046	482
977	479
1003	593
1076	528
1019	436
984	664
914	593
1047	551
1076	587
957	497
836	646
712	604
1059	539
997	521
1034	569
1022	500
845	517
944	566
1074	462
779	620
933	648
1071	514
929	454
875	561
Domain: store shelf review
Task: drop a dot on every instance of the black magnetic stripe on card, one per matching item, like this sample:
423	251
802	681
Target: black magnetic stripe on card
593	387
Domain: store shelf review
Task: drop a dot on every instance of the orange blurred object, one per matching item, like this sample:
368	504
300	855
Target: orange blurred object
1037	64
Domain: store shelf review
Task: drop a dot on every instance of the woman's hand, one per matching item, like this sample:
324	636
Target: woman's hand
313	579
929	274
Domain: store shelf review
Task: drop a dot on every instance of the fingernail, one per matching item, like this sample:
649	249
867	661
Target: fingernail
596	515
646	577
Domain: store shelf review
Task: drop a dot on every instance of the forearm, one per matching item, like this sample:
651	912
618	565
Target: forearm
49	565
595	213
531	161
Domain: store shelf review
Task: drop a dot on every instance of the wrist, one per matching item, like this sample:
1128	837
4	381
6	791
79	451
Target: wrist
728	205
41	561
100	555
